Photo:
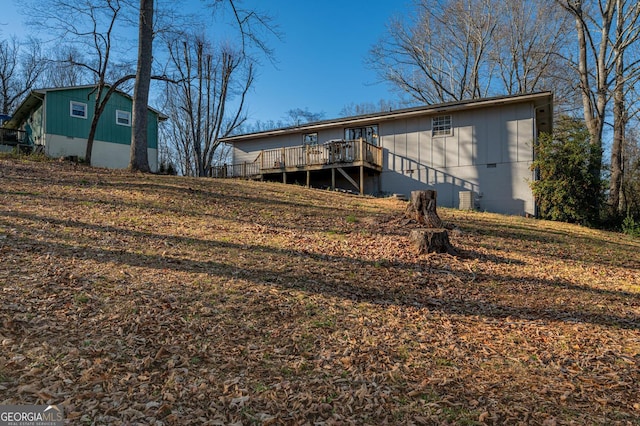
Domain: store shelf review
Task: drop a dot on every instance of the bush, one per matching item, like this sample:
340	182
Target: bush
569	187
16	154
630	226
167	168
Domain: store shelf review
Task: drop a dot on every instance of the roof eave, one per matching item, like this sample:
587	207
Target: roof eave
28	104
392	115
32	101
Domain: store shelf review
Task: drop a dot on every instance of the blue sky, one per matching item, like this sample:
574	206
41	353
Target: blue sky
319	61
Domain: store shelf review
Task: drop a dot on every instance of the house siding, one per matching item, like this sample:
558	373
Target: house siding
489	151
60	121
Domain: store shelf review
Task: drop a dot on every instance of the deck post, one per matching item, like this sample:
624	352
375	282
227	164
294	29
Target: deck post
308	178
361	149
361	178
284	177
333	178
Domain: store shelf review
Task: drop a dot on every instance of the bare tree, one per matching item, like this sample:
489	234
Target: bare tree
592	65
630	193
139	159
199	105
606	30
250	26
465	49
619	114
382	105
21	66
95	27
60	71
442	55
253	27
627	75
261	126
528	46
297	116
173	137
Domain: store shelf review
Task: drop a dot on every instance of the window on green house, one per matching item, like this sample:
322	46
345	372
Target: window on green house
78	109
123	118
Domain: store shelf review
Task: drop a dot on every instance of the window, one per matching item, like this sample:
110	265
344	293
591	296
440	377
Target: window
441	125
368	133
310	139
123	118
78	109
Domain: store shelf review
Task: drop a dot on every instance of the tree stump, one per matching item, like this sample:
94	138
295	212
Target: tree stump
422	208
434	239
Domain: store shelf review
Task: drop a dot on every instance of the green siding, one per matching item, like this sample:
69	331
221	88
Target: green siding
152	130
60	122
108	130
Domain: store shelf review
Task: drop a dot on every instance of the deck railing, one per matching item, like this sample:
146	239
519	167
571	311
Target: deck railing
240	170
12	137
302	156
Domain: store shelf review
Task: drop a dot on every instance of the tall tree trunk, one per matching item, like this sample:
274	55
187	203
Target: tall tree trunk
619	126
97	112
199	136
594	100
619	119
139	155
92	134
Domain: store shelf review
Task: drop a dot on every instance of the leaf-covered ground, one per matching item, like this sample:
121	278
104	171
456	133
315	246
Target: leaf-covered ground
136	299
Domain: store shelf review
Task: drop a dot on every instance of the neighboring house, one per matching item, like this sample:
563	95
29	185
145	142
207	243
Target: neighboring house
59	120
478	149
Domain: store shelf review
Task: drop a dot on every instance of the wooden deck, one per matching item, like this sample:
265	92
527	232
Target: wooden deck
12	137
16	139
335	155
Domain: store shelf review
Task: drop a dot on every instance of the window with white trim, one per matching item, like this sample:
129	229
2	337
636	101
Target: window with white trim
310	139
368	133
441	126
78	109
123	118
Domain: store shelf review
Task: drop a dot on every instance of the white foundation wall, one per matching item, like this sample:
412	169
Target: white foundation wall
105	154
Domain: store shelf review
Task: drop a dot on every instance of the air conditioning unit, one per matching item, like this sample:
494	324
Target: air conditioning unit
467	200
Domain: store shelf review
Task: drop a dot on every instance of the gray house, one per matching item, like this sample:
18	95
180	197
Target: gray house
479	150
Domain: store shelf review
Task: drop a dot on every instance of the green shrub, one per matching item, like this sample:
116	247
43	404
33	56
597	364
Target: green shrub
569	186
630	226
